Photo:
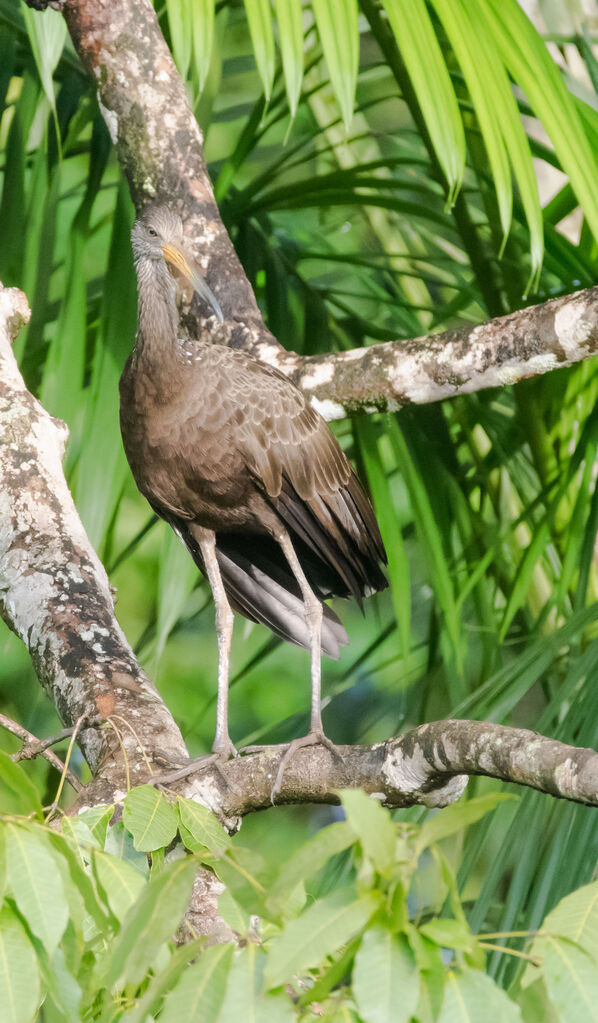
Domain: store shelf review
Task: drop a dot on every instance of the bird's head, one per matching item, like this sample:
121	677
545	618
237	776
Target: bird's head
157	236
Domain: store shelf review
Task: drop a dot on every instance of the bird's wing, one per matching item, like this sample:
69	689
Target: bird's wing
298	462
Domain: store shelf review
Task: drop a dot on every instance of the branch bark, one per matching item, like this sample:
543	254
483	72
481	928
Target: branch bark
428	766
55	594
160	146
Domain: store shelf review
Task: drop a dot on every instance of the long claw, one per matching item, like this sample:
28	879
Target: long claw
313	738
194	766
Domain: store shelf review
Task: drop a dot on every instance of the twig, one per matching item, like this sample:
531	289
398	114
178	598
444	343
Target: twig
34	747
78	724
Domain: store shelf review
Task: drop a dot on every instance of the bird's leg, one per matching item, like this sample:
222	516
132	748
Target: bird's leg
313	614
222	746
224	630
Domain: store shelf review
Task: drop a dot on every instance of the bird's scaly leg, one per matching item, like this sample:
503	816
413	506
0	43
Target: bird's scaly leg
224	630
222	747
313	614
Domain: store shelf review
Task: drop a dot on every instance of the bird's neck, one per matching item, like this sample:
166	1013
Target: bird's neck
157	314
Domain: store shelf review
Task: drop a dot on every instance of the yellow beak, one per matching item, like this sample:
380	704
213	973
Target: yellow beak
177	257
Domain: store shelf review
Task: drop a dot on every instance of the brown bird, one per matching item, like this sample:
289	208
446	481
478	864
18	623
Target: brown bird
229	452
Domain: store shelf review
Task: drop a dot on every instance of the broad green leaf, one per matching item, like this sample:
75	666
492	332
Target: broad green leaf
460	815
199	993
232	913
259	19
119	843
332	972
448	933
151	921
535	1003
241	870
290	37
165	979
121	883
470	996
19	977
416	39
244	996
372	826
78	887
571	978
34	879
150	818
203	829
311	857
77	832
97	819
432	972
203	38
62	989
2	861
385	978
14	779
319	932
576	918
337	22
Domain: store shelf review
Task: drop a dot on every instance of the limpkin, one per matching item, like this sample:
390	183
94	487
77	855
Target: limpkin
229	452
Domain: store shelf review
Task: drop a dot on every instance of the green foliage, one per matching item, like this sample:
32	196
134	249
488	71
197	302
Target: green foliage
103	947
487	503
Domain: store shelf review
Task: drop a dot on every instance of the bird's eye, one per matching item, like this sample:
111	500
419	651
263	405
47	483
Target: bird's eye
152	233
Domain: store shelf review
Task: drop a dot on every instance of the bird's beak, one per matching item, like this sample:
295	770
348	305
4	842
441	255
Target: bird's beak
174	255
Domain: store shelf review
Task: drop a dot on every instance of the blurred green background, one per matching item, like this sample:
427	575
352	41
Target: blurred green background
406	189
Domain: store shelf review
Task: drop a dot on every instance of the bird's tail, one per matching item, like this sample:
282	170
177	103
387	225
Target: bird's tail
260	585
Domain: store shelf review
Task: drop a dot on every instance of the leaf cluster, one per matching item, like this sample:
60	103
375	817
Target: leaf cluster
90	931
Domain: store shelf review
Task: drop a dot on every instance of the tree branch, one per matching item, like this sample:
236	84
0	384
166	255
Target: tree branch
160	146
54	592
34	747
428	766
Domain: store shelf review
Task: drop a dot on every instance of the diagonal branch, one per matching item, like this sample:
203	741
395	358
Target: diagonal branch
160	147
54	592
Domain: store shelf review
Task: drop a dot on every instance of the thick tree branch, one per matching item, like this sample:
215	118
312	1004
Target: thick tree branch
54	592
161	149
427	766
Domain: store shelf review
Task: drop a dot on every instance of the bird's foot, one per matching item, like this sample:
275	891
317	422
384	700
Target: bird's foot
196	765
315	737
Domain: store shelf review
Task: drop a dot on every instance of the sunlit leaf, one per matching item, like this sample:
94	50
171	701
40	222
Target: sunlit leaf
339	35
290	36
259	18
35	883
385	978
412	28
19	974
149	817
322	929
